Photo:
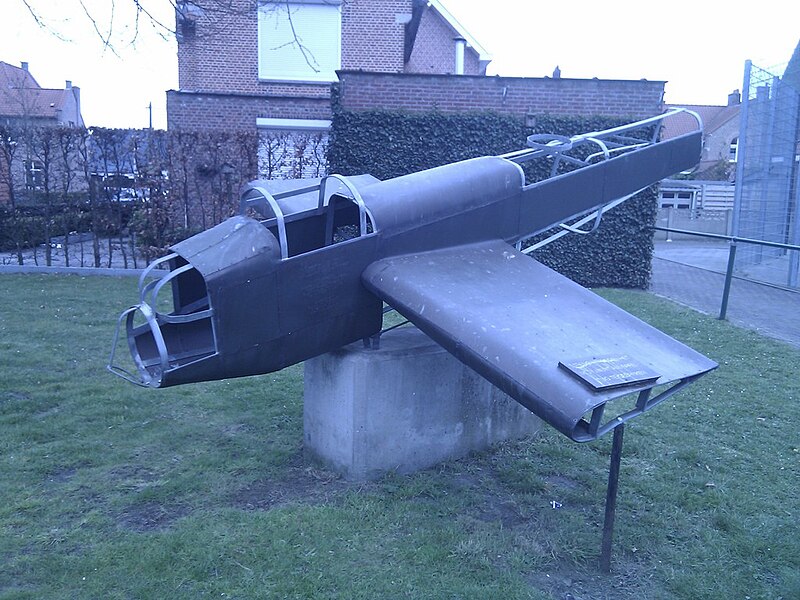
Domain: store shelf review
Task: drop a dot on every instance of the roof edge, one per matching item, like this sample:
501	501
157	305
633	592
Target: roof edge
483	55
556	81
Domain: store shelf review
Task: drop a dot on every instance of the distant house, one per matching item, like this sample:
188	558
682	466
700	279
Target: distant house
720	136
709	186
268	67
23	100
696	194
272	66
24	103
271	70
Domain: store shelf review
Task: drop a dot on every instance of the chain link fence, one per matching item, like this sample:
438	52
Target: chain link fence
768	174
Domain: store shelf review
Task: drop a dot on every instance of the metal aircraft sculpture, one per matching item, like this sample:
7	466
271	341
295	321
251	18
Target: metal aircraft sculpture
312	272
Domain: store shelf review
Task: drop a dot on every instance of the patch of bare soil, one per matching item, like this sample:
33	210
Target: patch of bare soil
151	516
568	582
560	482
303	484
506	512
63	475
12	396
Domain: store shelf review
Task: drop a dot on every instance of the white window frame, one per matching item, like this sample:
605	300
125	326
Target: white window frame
676	198
293	124
734	145
34	174
266	71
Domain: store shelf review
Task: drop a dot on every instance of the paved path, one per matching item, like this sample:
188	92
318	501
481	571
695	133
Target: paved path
769	310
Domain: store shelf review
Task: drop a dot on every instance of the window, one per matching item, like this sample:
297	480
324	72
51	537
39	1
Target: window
299	40
34	175
733	150
681	200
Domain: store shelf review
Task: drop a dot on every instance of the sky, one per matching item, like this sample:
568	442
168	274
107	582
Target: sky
698	47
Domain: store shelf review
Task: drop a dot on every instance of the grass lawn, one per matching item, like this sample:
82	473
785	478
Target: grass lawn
112	491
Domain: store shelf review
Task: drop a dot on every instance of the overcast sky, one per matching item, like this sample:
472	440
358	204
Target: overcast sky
698	47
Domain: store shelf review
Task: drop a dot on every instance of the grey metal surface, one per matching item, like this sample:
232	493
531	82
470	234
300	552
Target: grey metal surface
513	320
259	313
293	203
253	296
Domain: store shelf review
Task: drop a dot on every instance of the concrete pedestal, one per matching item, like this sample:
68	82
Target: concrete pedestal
404	407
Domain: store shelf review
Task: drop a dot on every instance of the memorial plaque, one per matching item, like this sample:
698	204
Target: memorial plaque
606	372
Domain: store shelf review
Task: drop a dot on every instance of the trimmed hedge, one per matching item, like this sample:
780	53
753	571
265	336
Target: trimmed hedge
27	226
388	144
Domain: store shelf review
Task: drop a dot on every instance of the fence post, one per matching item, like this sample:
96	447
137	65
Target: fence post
741	148
670	222
723	310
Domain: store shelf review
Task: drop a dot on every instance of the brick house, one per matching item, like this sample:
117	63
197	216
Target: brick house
711	187
248	64
720	134
270	64
23	100
24	103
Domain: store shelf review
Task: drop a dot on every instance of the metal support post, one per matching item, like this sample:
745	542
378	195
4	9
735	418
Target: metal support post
741	150
723	309
611	499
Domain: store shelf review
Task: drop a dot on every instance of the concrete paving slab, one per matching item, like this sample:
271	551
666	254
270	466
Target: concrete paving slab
712	256
770	310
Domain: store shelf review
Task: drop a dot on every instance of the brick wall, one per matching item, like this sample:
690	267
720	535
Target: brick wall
222	54
373	33
435	48
717	144
218	63
210	111
508	95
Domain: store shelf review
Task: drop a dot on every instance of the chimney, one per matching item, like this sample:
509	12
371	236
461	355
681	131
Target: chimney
461	45
76	91
25	66
734	98
69	85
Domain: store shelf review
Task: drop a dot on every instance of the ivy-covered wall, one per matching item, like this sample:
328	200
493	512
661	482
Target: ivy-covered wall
392	143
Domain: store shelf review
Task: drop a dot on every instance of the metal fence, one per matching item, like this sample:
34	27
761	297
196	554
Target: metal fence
734	244
767	176
698	220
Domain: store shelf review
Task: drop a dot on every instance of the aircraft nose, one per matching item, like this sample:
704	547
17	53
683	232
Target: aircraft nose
161	343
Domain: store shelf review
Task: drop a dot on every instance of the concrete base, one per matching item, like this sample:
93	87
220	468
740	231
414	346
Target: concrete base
404	407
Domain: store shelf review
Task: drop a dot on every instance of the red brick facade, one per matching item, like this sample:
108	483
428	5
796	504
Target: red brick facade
373	33
220	88
218	63
435	49
508	95
213	111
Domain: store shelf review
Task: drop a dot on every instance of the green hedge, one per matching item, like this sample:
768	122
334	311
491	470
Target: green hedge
388	144
29	226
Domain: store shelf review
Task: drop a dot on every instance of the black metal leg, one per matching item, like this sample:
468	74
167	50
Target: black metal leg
611	499
726	291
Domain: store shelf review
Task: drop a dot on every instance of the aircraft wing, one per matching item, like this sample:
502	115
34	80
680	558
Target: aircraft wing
557	348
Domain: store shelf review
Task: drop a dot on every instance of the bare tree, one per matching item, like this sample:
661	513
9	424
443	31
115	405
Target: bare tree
119	23
8	151
67	140
44	153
